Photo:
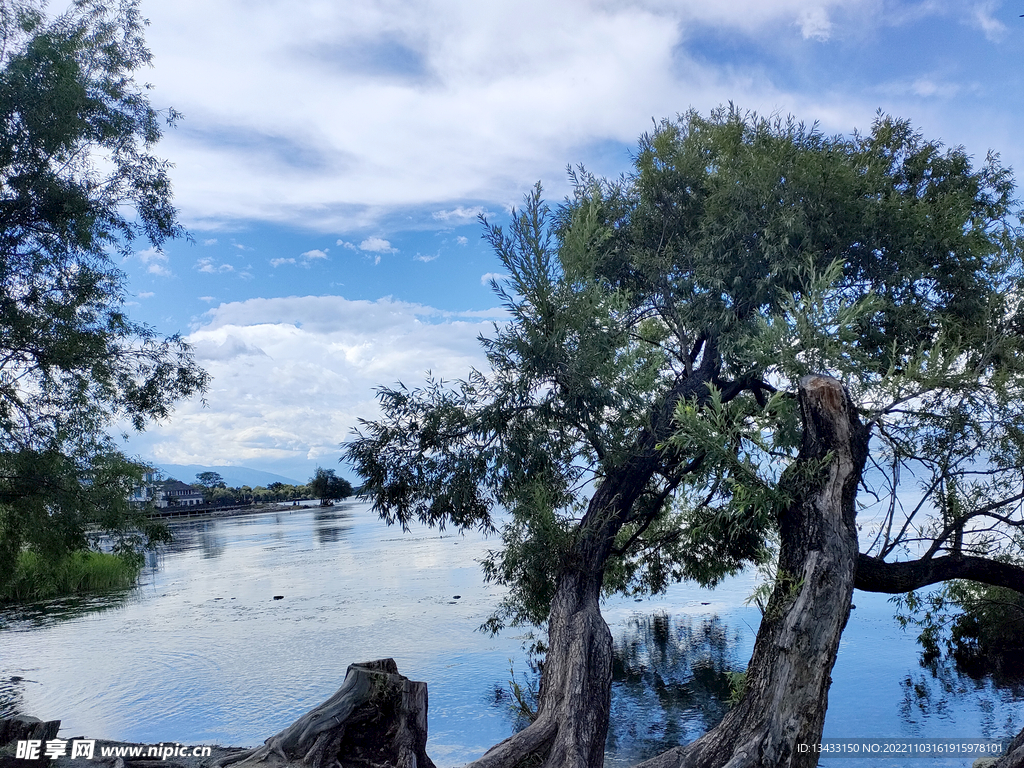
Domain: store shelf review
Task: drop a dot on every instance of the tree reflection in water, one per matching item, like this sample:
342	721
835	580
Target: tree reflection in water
943	686
671	682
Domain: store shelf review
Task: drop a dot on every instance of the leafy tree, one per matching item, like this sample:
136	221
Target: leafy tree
210	480
78	187
696	361
326	486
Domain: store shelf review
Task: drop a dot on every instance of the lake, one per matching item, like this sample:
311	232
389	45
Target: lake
202	652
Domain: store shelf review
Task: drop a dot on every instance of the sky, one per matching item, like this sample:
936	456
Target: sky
333	159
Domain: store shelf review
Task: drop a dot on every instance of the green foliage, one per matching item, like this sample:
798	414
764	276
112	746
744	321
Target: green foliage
36	577
737	687
210	480
975	624
742	254
524	695
327	486
78	185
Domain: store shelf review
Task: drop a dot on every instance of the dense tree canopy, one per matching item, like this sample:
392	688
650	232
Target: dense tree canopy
640	421
79	188
210	480
327	486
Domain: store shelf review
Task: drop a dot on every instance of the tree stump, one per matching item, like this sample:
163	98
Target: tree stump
377	719
22	727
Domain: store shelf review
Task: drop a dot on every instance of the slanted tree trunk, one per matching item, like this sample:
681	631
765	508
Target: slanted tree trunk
574	704
575	695
377	718
790	670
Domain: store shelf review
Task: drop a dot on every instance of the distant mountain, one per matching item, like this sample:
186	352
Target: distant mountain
234	477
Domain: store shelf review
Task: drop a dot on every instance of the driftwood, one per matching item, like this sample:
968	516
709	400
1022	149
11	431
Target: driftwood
377	719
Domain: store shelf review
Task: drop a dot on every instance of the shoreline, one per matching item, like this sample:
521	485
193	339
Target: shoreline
252	509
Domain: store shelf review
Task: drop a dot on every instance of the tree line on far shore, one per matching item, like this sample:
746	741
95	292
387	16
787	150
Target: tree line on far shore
324	485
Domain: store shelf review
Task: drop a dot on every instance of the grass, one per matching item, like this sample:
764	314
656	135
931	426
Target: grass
36	578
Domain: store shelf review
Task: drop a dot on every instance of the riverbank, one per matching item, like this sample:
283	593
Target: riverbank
198	513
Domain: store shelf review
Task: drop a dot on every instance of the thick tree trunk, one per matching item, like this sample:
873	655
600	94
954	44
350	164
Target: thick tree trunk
377	718
790	670
575	695
576	684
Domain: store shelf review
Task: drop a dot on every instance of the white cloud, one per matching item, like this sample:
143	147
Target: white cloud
460	214
207	299
155	261
426	259
983	19
292	376
349	112
495	276
314	254
461	240
279	262
151	255
815	25
376	245
206	264
211	241
145	294
345	244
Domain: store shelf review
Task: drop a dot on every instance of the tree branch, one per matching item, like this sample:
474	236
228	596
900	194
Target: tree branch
874	575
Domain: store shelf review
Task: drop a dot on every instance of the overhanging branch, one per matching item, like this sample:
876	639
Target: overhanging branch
874	575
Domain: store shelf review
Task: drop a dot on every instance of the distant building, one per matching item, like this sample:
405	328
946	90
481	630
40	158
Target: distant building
145	492
174	493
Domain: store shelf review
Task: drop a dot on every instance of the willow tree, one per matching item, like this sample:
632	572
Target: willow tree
79	189
695	361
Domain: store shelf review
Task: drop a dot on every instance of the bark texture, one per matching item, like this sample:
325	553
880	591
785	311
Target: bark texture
790	670
22	727
1014	757
377	719
874	575
575	693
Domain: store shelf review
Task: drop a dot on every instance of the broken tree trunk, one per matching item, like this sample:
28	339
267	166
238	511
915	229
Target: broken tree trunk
790	670
377	718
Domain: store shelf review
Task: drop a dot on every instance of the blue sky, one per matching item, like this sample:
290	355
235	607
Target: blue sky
333	159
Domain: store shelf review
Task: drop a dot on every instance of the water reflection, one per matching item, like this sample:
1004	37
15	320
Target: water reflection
670	682
201	652
45	613
331	525
11	695
941	690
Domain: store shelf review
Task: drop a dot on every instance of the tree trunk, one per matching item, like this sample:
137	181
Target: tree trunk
377	718
790	670
576	684
1014	757
575	694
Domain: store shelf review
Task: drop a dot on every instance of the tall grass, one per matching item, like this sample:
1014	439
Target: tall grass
36	578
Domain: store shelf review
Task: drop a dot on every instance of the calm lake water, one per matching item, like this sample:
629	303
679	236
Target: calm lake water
202	652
